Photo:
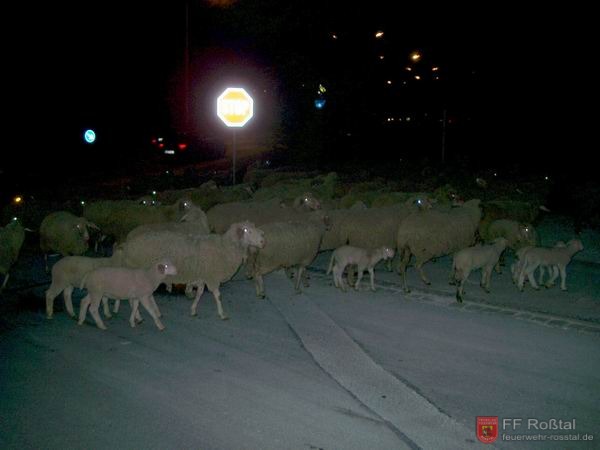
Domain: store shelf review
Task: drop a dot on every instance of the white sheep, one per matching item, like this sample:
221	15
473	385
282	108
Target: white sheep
201	261
433	233
11	241
287	245
483	257
515	267
121	283
557	256
65	233
69	272
348	255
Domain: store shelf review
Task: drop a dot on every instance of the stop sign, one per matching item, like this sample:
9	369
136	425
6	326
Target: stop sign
235	107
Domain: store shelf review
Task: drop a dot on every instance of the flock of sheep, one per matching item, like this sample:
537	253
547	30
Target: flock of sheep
181	244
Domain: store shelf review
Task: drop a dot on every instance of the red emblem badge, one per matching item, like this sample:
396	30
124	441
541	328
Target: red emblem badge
487	429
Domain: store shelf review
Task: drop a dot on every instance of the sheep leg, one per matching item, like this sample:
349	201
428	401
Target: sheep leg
260	285
135	304
372	273
460	292
299	279
116	306
85	303
486	275
338	278
152	302
555	272
94	305
541	277
194	307
360	271
106	308
189	290
217	295
531	276
150	305
68	296
350	275
563	277
305	278
402	264
51	294
419	267
4	282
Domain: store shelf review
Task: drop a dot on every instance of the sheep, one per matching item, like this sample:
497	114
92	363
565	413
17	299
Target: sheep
69	272
118	218
517	234
65	233
483	257
138	285
433	233
557	256
515	267
201	261
287	245
221	216
363	258
194	222
11	241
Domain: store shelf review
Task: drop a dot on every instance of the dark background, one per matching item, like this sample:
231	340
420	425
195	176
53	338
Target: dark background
515	83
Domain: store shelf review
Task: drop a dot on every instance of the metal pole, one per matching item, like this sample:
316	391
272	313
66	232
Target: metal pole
444	136
186	69
234	155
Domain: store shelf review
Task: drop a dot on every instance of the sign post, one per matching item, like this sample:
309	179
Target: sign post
235	108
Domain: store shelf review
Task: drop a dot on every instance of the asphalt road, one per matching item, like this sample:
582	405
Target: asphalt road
320	370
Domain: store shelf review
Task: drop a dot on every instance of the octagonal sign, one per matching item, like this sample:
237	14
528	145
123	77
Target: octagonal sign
235	107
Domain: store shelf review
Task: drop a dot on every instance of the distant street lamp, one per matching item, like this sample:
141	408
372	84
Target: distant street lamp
415	56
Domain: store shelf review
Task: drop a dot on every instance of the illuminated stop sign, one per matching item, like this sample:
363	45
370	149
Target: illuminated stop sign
235	107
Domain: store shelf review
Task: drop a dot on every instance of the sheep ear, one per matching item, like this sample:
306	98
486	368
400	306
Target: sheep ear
162	268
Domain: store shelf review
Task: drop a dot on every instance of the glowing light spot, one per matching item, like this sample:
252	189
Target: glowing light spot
89	136
18	199
435	69
417	77
379	34
415	56
320	103
389	81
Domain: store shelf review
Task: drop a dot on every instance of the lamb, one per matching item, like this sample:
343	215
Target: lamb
70	272
11	241
363	258
483	257
138	285
517	234
515	267
433	233
201	261
557	256
287	245
65	233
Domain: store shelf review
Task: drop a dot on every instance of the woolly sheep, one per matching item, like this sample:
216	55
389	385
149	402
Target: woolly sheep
220	217
69	272
205	260
287	245
11	240
363	258
118	218
65	233
433	233
516	233
121	283
194	222
483	257
557	256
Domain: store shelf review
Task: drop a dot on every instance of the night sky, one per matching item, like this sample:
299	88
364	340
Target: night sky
513	82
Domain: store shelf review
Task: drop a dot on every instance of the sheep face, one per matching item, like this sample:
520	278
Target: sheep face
388	253
527	234
250	236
